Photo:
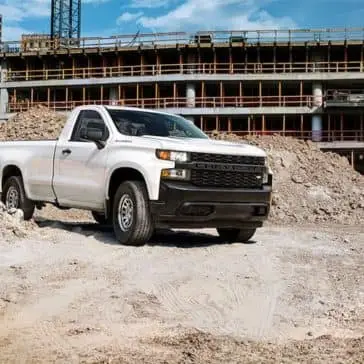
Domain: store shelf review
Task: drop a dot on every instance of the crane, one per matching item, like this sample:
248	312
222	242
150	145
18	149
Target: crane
66	19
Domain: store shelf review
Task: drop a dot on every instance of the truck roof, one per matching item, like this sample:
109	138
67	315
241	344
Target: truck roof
115	107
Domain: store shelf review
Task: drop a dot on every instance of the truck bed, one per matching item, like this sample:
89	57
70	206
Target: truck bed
35	160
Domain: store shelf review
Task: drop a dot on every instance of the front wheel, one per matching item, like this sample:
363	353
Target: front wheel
14	197
132	219
236	235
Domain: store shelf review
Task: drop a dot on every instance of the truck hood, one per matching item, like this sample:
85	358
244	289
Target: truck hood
207	146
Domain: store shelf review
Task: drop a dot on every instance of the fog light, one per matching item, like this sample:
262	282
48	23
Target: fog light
177	174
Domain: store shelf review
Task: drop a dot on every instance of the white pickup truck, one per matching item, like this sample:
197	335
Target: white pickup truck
140	170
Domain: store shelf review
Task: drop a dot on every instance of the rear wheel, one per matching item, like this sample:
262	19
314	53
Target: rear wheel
236	235
14	197
132	219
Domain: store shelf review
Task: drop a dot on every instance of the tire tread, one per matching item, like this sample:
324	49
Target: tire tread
143	225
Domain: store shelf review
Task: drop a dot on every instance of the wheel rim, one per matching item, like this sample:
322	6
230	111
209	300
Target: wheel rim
125	212
12	198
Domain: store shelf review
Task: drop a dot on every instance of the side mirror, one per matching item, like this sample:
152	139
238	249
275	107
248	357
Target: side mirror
93	135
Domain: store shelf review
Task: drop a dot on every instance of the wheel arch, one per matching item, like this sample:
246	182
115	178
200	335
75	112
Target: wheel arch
119	175
10	170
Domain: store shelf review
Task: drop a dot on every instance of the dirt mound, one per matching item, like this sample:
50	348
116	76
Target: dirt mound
12	224
310	185
37	123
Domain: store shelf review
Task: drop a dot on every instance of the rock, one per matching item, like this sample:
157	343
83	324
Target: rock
19	215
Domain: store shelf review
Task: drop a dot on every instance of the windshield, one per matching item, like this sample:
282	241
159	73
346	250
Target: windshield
139	123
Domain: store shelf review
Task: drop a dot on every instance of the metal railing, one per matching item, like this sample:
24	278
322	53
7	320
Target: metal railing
185	69
344	97
228	36
170	102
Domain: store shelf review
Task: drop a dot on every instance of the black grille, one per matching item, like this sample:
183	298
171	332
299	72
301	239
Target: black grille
225	179
227	159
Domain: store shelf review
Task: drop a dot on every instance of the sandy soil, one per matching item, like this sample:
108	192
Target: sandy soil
69	294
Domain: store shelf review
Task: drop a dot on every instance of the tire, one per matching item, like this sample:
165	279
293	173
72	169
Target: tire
236	235
100	218
134	225
14	196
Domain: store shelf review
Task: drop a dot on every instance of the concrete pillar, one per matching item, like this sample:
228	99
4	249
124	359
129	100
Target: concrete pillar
4	94
191	95
316	128
317	94
316	123
113	96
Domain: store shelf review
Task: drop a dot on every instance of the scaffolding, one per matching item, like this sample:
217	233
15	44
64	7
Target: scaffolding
240	82
236	38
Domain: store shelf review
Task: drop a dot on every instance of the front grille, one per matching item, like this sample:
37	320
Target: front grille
227	159
225	179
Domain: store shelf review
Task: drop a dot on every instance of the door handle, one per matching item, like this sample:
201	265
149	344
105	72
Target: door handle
66	151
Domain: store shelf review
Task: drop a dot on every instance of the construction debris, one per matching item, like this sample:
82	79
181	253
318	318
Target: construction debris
12	224
37	123
309	185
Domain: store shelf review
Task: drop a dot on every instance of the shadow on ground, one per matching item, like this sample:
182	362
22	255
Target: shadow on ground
162	237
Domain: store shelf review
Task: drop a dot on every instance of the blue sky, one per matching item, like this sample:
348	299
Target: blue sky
110	17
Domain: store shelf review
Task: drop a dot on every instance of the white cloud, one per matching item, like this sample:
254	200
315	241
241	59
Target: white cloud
18	10
216	15
95	1
126	17
150	3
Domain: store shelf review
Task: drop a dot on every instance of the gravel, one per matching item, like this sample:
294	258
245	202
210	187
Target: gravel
71	294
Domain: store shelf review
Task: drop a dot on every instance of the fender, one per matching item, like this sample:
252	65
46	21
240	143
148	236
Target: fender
150	188
13	163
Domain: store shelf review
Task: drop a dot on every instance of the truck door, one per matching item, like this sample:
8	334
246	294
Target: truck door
80	167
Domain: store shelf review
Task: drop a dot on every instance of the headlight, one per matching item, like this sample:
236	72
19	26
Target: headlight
176	174
171	155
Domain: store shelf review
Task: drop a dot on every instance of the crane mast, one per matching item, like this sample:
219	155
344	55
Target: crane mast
66	19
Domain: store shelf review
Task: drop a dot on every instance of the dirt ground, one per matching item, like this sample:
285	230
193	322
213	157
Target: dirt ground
70	294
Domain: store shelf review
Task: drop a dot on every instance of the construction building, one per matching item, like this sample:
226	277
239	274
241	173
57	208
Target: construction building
303	83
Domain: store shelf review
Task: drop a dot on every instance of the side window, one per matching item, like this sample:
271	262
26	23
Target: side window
88	119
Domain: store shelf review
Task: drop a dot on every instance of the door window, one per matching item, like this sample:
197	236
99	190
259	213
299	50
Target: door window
89	119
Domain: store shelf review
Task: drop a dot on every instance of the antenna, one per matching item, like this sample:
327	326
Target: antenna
66	19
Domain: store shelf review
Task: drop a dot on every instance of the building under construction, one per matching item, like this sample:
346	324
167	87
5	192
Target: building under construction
303	83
